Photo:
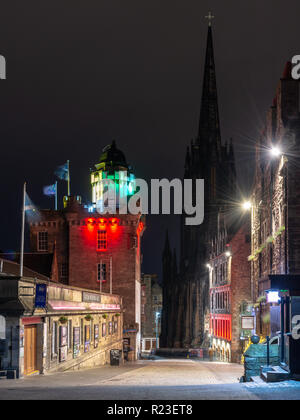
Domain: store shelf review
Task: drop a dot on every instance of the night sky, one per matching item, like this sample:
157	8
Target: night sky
81	73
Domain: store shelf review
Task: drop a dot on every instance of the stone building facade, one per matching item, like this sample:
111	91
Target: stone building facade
186	288
73	328
276	201
151	312
230	289
97	251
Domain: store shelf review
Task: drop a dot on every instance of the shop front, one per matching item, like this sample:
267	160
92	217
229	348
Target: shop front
51	327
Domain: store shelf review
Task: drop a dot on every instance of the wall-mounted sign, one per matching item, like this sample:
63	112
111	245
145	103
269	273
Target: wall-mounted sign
63	336
63	354
87	338
103	330
91	297
76	341
40	296
96	336
248	323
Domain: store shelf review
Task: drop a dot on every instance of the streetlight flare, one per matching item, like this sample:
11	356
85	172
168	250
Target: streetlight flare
275	151
247	205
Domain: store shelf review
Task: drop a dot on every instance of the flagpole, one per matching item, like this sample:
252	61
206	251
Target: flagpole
56	195
68	178
23	232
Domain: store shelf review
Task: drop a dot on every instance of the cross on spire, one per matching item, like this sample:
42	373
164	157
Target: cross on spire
210	17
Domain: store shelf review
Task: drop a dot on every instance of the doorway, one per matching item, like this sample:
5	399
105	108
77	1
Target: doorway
30	362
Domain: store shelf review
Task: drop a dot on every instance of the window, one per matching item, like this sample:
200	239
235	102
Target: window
43	241
64	270
101	272
101	240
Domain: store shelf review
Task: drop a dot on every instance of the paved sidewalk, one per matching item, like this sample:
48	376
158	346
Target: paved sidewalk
162	379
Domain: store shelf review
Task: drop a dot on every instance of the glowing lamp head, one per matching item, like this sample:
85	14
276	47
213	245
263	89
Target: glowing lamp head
247	205
273	296
228	254
275	151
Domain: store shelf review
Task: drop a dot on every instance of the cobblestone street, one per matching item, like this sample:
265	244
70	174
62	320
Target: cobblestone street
162	379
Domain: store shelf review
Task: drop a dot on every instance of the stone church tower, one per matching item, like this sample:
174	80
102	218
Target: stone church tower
185	293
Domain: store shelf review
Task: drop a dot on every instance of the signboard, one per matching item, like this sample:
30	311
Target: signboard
87	334
103	330
96	336
63	336
40	296
248	323
63	354
91	297
76	341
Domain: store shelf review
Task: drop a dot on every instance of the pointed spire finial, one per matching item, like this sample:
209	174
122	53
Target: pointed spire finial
210	17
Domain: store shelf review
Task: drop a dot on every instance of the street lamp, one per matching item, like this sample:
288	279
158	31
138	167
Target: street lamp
275	151
247	205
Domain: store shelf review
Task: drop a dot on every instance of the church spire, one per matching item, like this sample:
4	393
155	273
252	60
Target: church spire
209	125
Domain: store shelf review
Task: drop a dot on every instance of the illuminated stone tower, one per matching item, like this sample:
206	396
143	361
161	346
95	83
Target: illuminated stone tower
98	251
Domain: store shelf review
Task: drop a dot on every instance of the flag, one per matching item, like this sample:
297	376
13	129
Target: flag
50	189
29	205
62	172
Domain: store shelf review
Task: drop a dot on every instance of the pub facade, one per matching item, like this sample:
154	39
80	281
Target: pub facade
49	327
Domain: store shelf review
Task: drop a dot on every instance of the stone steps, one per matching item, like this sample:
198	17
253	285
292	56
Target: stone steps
257	380
274	374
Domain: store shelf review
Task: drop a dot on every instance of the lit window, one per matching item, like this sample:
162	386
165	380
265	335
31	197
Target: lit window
101	240
101	272
43	241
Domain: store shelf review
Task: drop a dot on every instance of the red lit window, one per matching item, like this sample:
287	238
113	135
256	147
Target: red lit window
101	240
